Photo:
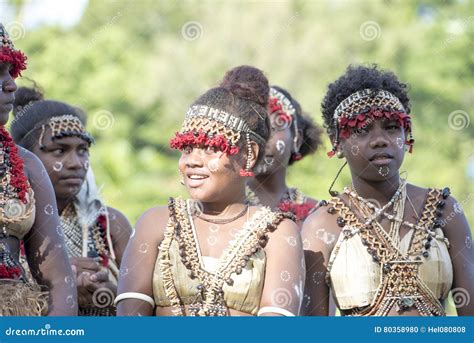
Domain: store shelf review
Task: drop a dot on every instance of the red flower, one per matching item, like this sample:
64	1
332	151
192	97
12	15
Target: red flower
301	211
182	140
16	58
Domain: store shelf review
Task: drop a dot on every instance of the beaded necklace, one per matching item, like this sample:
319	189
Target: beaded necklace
210	300
400	284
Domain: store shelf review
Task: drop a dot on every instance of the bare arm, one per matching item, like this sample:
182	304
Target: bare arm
285	270
120	230
136	269
318	237
44	244
462	256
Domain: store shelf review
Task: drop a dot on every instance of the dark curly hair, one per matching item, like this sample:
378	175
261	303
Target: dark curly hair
357	78
30	109
311	131
244	93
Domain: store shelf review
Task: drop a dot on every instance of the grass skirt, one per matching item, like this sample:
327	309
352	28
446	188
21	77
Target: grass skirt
18	298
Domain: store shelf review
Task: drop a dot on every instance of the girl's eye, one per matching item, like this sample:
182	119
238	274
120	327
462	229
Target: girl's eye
188	149
393	127
360	131
83	151
58	151
210	150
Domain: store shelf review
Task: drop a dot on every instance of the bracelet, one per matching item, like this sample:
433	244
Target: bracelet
272	309
134	295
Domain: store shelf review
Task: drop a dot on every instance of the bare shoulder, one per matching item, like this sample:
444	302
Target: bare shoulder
152	223
320	230
321	218
117	217
34	168
287	227
453	221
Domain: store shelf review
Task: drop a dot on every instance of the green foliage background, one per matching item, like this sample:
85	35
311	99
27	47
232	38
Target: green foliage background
135	60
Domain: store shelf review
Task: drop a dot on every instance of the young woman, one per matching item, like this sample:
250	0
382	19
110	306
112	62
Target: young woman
214	255
27	212
396	251
293	136
95	235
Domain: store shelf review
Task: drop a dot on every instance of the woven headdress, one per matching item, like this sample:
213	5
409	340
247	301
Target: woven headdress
354	112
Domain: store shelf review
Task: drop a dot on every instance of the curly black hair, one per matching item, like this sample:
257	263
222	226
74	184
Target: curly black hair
244	92
311	132
357	78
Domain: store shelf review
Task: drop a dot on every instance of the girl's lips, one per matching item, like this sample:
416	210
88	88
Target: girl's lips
72	180
196	180
381	161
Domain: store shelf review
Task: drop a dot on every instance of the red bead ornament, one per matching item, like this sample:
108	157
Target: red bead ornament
7	272
301	211
182	140
15	57
102	224
18	178
360	120
246	173
296	156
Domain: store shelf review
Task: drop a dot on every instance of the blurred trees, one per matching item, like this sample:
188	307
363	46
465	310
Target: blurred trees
135	66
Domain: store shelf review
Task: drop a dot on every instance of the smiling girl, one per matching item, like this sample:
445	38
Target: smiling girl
214	254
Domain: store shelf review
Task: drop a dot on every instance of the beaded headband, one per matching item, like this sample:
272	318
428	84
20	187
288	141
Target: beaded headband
279	104
210	126
353	112
214	122
8	54
66	125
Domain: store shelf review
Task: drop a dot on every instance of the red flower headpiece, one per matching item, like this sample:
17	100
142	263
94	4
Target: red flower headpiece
8	54
367	105
182	140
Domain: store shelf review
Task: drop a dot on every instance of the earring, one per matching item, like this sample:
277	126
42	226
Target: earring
339	154
247	172
296	156
181	181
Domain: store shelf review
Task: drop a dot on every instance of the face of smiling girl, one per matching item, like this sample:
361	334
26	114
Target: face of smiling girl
211	175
